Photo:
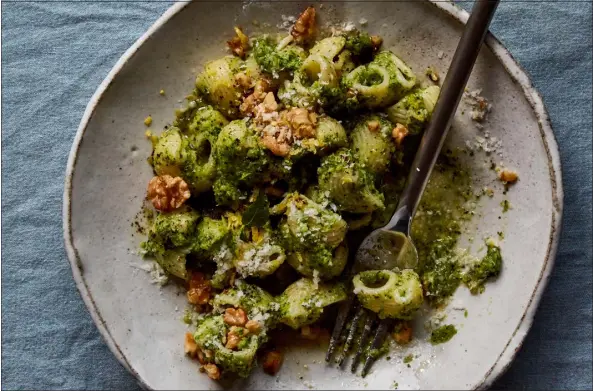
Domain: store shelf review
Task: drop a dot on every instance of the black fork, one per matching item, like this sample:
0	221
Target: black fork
400	253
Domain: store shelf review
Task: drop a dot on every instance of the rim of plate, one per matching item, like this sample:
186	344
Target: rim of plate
515	71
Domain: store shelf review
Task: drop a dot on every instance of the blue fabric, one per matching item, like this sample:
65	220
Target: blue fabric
55	54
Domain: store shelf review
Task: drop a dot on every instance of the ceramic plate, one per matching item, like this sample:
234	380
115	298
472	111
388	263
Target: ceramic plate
107	176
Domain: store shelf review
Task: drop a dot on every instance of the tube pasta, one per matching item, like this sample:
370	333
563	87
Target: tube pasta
414	110
319	69
303	302
348	184
217	84
328	47
381	82
330	134
372	143
389	294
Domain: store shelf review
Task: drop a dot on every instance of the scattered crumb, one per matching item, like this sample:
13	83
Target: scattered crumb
363	22
488	191
508	176
480	105
506	205
162	92
148	121
440	54
287	22
432	74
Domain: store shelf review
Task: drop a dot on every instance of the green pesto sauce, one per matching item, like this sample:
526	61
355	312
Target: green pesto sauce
408	359
488	267
437	227
442	334
506	205
275	61
376	353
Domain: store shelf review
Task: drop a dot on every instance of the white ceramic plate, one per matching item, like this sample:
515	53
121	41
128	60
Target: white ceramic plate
107	176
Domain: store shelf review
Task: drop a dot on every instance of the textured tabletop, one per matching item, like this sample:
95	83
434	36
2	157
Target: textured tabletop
55	54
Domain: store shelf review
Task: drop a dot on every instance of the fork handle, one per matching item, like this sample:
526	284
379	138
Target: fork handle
434	136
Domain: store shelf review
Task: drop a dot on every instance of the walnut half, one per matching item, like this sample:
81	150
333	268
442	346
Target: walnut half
302	122
304	28
167	193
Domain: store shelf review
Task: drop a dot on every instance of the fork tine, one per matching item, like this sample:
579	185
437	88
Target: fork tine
366	331
358	316
343	312
382	330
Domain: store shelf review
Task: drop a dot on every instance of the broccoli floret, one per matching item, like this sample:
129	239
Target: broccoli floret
274	61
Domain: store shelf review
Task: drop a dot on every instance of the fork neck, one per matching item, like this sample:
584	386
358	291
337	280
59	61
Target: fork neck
451	92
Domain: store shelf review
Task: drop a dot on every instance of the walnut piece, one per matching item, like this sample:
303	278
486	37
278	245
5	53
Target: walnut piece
403	335
250	102
373	125
508	176
239	44
234	336
269	104
212	371
199	289
304	28
272	362
167	193
201	357
302	122
190	347
253	326
432	74
399	133
277	139
243	80
235	317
